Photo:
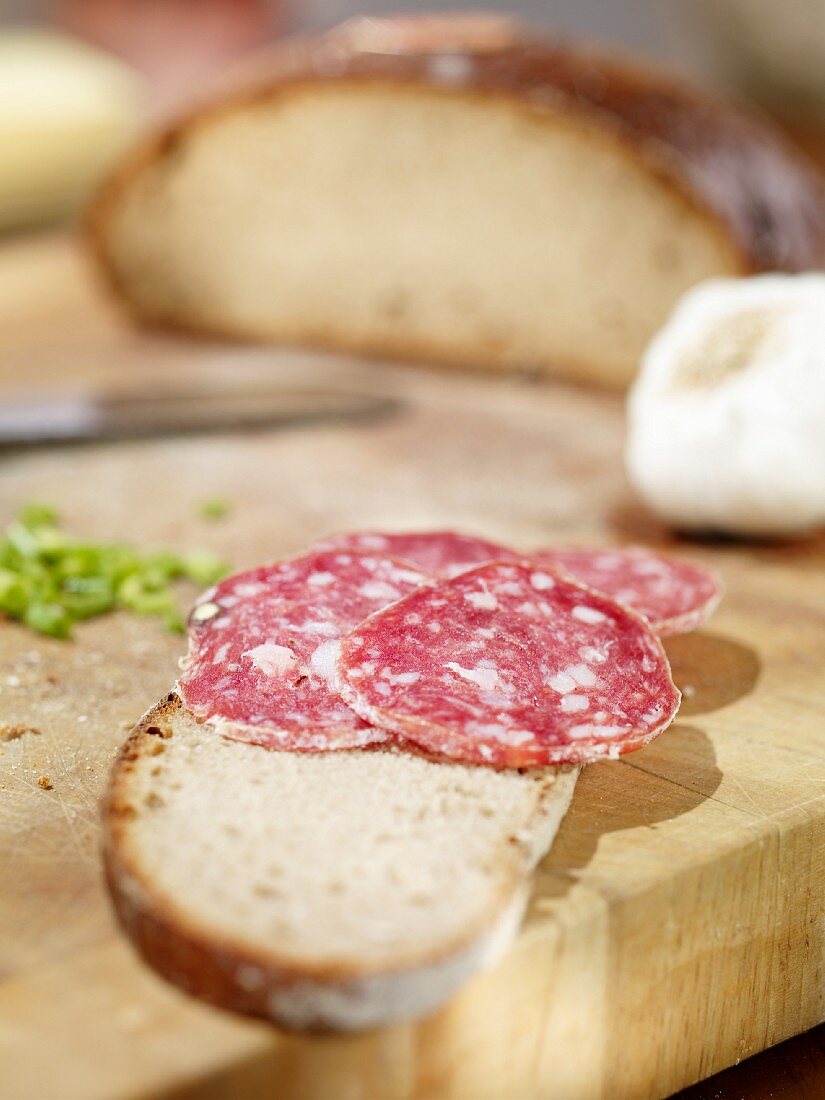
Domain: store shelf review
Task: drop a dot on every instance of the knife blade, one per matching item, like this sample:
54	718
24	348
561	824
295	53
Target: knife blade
90	416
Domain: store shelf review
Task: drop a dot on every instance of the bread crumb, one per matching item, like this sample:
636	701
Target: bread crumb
11	733
45	783
131	1017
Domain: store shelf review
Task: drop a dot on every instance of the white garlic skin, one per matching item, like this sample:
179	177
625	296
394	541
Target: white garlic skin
726	421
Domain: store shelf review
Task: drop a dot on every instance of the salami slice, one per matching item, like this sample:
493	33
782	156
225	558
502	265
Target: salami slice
674	596
263	643
511	665
439	553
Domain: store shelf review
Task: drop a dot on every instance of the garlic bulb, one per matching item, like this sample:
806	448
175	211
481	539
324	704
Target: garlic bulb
727	417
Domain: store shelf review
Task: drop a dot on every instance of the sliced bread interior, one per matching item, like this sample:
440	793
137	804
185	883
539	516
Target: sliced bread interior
338	890
406	221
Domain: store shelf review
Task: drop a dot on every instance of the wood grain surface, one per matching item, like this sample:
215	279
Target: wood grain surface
677	926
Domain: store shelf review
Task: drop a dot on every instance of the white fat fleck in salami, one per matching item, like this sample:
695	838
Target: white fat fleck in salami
674	596
261	663
272	660
585	678
438	553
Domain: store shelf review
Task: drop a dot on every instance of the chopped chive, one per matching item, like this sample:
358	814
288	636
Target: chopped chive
13	594
48	618
217	508
38	514
204	567
23	540
50	581
165	563
174	622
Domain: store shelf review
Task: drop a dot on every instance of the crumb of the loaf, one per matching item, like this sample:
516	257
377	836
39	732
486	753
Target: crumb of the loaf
11	733
45	783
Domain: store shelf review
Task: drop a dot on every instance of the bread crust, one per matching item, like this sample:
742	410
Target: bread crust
730	165
296	994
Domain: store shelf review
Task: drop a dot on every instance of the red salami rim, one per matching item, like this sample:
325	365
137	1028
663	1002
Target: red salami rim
269	737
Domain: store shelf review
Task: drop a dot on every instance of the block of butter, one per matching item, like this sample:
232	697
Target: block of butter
65	111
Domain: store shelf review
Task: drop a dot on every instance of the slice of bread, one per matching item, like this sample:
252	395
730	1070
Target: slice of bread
338	890
453	190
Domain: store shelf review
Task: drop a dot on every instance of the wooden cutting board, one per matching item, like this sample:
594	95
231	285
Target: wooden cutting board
677	926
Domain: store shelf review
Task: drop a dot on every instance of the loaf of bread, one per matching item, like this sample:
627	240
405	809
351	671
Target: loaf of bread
331	891
450	189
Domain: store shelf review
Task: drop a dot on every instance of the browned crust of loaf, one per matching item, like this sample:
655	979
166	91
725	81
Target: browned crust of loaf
420	350
190	957
733	167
